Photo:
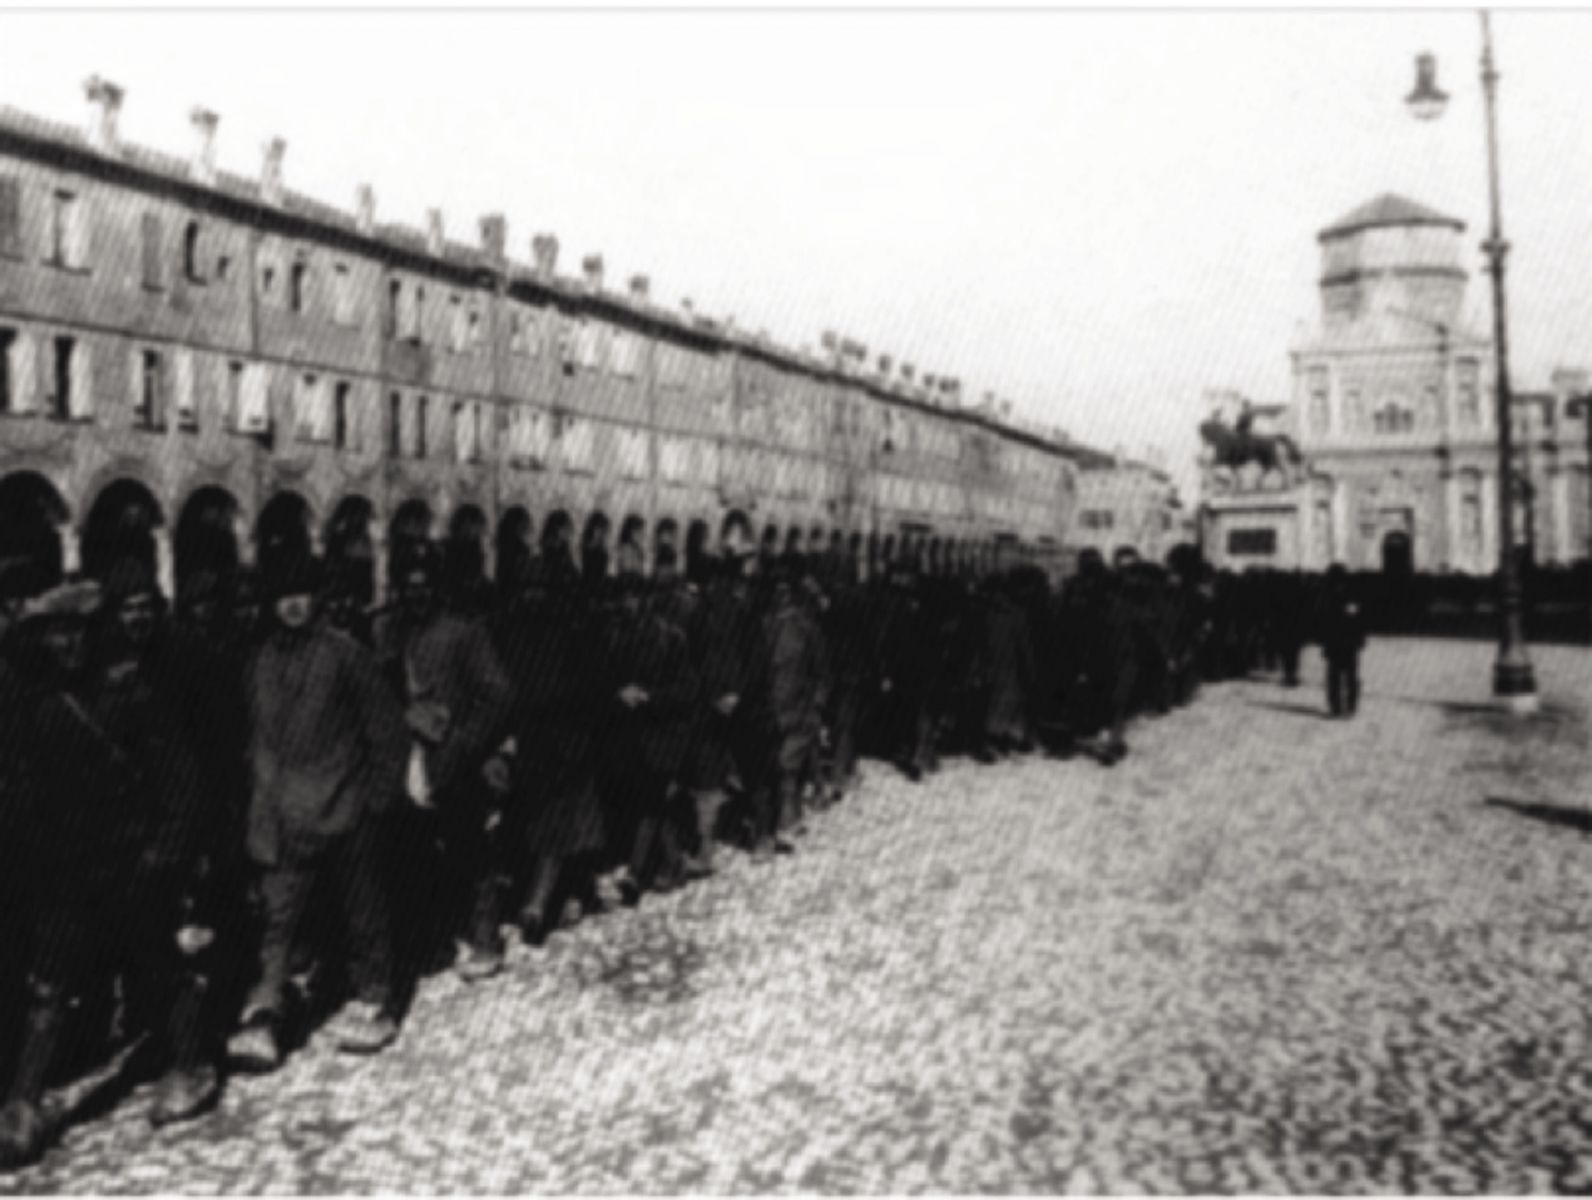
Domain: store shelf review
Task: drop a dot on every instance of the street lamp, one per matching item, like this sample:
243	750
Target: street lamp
1514	681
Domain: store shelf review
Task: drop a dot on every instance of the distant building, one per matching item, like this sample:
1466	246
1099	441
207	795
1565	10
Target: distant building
1393	412
1121	502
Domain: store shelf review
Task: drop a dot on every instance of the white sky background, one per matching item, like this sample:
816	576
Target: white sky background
1098	215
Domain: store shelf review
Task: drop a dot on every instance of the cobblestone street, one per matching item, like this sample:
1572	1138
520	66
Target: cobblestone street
1268	952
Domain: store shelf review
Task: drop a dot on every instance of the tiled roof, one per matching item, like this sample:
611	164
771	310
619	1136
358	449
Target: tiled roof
1387	209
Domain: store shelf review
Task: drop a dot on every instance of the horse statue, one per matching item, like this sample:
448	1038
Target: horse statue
1237	445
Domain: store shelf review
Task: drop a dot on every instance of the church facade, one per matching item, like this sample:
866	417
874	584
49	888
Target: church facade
1393	413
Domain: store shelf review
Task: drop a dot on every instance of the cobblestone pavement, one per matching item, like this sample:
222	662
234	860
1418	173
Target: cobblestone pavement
1269	952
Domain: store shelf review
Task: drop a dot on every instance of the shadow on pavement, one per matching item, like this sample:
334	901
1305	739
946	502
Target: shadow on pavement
1550	814
1292	710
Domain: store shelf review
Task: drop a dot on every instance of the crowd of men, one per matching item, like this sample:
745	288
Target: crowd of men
275	805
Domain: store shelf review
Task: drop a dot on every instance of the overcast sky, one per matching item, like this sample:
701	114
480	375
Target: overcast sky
1097	215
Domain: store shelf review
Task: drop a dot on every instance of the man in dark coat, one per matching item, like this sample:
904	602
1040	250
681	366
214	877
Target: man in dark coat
652	690
456	697
723	639
1008	668
551	650
1343	632
115	836
795	689
904	654
20	581
327	754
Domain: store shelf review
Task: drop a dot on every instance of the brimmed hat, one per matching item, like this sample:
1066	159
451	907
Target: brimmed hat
78	600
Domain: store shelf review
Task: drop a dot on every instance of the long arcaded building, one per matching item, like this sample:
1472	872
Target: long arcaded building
194	363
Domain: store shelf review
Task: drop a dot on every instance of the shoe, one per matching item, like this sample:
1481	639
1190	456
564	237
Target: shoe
23	1131
364	1028
255	1047
698	866
184	1094
478	963
783	846
533	926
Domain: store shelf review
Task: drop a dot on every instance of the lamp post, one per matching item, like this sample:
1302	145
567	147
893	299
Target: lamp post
1514	680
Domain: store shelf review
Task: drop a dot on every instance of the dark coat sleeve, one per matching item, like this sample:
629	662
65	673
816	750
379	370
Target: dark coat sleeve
381	720
478	729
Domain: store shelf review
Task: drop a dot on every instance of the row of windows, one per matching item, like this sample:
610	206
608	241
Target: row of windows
1396	416
290	279
1097	518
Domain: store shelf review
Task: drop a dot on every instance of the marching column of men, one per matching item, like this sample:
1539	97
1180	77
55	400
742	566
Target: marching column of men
272	804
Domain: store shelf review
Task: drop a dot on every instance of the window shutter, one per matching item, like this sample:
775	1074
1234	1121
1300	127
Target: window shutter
24	371
322	418
82	375
456	332
255	413
11	217
182	382
135	384
461	431
151	244
408	313
77	233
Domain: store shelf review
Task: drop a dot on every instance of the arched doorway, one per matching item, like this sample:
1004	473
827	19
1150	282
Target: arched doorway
768	549
465	552
558	542
282	528
594	547
206	538
350	550
698	562
514	532
32	515
735	534
1398	555
410	526
121	524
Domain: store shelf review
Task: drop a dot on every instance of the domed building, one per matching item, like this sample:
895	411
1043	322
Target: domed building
1393	414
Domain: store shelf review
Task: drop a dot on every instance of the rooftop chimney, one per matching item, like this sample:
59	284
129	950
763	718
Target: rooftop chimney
544	253
104	107
365	209
640	287
271	171
686	306
908	372
591	267
495	236
830	341
434	232
203	164
885	363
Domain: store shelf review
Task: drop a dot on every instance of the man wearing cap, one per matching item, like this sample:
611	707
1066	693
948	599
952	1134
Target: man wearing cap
114	838
794	674
327	748
555	661
652	689
456	699
723	639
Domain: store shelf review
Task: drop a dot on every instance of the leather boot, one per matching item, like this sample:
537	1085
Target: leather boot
24	1128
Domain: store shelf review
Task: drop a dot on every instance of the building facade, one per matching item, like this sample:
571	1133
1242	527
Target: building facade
197	364
1122	503
1393	410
